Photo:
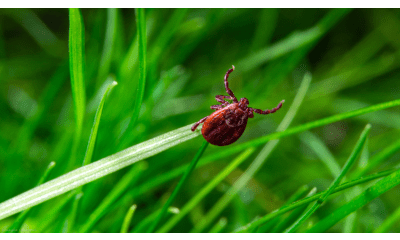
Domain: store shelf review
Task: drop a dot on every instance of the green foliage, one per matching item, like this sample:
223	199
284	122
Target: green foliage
123	152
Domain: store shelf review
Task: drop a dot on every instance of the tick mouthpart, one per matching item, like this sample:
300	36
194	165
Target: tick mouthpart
233	67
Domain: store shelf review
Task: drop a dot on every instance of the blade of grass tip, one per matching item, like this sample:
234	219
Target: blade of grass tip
300	193
178	187
142	52
88	155
301	128
96	123
304	201
16	226
129	178
108	47
258	161
77	70
95	170
349	163
128	219
286	222
365	197
294	41
206	190
219	226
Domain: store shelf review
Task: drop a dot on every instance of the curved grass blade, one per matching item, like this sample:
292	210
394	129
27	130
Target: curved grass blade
96	123
219	226
128	219
304	201
354	155
368	195
185	176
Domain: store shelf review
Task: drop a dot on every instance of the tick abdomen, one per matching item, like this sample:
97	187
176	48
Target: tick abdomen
225	126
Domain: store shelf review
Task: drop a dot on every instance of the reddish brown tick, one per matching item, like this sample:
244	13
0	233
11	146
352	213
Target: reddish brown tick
228	122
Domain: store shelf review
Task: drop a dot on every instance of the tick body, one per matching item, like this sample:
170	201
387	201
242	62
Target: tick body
229	121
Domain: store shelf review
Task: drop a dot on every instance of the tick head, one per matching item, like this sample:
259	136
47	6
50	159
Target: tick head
243	103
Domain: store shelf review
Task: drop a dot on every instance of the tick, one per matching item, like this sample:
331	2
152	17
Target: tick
228	122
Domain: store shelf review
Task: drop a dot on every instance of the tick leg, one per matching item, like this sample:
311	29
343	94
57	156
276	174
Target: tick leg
197	124
217	107
229	91
259	111
220	98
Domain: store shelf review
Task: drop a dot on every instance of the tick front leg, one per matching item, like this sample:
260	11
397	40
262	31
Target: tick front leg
220	98
228	90
197	124
217	107
259	111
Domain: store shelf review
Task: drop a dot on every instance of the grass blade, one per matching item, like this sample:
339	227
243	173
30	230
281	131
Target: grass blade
179	186
304	201
354	155
128	219
96	123
219	226
96	170
368	195
77	70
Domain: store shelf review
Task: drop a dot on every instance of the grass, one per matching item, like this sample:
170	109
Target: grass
120	160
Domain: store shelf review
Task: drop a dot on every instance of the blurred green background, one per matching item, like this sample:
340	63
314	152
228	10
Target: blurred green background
353	56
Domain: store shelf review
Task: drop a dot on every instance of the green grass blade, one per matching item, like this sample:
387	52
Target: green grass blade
130	177
294	41
96	123
108	47
77	72
142	54
128	219
182	181
368	195
205	190
308	200
16	226
258	161
354	155
96	170
219	226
